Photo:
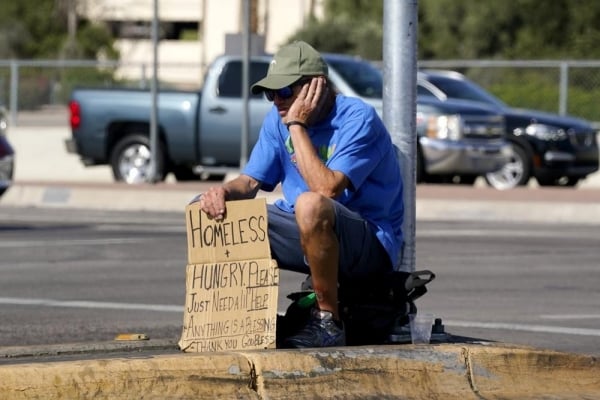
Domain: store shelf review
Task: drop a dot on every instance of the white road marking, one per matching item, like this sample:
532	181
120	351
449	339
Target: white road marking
496	233
524	327
90	304
179	309
570	316
72	242
157	228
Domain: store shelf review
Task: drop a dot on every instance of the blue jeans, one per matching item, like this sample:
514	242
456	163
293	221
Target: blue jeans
361	253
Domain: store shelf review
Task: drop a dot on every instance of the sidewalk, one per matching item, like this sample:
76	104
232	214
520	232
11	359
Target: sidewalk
433	202
47	176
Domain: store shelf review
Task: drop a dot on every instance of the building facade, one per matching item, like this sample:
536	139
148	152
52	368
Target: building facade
193	32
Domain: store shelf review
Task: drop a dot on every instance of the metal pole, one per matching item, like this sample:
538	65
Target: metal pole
154	93
143	78
564	88
245	83
14	91
400	106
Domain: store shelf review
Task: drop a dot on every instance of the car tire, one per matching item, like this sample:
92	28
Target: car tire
130	160
184	174
467	180
516	172
565	181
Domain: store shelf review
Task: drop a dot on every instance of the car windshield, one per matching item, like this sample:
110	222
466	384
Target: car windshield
463	90
364	78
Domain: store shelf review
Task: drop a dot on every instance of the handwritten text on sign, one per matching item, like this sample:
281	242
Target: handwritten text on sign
242	235
231	281
231	305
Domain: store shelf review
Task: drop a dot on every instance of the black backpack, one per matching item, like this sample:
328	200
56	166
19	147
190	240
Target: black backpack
373	311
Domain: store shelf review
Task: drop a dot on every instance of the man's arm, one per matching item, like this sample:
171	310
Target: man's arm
313	101
317	176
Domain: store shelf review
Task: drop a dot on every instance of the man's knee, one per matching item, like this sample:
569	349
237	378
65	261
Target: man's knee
314	211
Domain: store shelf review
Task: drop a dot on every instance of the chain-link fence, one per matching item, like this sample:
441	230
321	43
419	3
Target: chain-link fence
27	85
564	87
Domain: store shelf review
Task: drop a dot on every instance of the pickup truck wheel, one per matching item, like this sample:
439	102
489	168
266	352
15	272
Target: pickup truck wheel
516	172
130	160
184	174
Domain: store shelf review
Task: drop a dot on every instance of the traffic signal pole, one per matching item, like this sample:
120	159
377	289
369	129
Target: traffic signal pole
400	22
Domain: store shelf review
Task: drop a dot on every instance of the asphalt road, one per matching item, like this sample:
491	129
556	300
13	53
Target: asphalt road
519	266
83	275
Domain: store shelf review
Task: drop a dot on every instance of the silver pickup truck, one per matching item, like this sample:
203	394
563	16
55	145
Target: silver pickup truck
200	131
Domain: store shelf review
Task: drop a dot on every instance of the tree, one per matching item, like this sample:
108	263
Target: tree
466	29
583	30
517	29
350	26
39	29
31	29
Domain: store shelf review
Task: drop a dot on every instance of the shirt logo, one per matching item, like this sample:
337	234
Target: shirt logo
323	151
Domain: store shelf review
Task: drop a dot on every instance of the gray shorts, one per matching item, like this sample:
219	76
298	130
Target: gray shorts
361	253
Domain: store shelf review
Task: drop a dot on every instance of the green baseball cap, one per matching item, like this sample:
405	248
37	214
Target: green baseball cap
290	63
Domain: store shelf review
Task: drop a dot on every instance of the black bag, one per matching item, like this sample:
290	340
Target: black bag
373	311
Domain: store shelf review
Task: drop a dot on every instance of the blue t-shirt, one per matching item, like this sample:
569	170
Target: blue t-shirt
352	140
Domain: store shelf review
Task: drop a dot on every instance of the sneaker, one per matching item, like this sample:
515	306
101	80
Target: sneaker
320	331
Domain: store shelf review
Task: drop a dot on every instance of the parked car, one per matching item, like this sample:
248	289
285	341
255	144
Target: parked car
457	141
6	154
200	130
557	150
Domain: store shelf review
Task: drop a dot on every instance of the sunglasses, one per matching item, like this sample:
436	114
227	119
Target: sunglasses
284	93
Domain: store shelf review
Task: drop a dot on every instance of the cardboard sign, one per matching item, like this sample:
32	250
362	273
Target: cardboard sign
231	281
242	235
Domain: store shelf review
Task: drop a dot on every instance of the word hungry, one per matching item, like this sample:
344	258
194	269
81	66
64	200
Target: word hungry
248	273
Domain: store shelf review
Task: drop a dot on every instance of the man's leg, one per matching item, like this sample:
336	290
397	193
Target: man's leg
308	238
360	253
337	243
315	216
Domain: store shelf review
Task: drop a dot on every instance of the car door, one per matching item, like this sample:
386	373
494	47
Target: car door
221	113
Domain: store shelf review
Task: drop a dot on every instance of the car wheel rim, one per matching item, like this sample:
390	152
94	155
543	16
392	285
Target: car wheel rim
509	175
134	164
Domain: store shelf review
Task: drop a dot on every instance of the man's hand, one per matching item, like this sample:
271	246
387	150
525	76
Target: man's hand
213	202
309	101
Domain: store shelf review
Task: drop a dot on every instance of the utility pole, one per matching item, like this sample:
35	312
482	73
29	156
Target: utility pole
245	131
154	94
399	105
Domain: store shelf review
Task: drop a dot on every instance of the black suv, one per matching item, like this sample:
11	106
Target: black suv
556	150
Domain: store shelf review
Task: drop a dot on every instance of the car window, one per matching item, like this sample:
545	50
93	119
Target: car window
463	90
230	80
361	76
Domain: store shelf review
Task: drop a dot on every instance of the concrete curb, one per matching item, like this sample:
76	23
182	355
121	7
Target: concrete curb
444	371
52	352
107	197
